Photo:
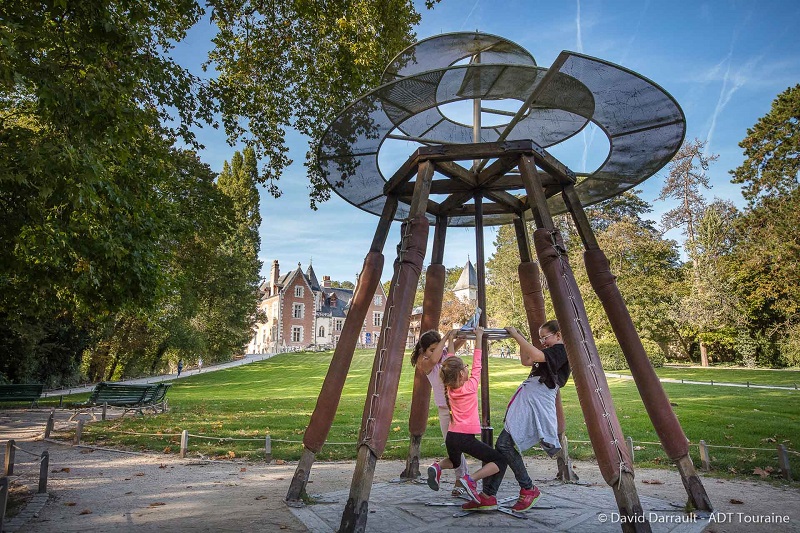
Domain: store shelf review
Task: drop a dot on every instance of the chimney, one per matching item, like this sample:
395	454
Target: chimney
326	282
274	274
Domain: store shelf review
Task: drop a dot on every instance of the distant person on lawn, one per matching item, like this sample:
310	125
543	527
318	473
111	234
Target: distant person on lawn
180	367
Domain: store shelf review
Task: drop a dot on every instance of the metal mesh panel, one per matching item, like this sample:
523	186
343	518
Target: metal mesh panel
644	125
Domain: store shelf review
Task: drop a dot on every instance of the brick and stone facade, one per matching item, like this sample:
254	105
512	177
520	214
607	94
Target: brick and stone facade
300	313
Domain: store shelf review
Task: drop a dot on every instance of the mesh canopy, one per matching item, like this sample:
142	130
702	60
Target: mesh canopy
644	125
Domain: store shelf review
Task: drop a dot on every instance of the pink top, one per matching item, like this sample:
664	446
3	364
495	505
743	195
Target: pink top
436	381
464	401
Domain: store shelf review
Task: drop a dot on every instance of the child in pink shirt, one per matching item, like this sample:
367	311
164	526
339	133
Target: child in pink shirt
461	391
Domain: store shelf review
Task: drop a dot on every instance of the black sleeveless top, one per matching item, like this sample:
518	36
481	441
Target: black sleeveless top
555	368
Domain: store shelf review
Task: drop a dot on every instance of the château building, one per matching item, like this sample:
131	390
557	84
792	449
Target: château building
300	313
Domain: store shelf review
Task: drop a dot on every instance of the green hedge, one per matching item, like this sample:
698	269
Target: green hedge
612	358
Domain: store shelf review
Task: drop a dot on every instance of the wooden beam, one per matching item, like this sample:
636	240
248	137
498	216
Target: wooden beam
384	224
456	172
498	168
454	200
536	195
450	186
575	209
488	209
507	199
523	241
403	174
439	234
419	202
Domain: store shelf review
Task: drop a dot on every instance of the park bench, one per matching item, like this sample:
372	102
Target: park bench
130	397
156	398
21	392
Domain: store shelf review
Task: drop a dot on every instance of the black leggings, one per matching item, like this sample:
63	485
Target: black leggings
458	443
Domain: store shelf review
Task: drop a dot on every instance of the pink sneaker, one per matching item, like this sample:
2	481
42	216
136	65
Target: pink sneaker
527	498
484	503
470	488
434	475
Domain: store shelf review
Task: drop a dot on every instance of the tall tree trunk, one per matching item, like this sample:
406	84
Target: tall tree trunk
703	354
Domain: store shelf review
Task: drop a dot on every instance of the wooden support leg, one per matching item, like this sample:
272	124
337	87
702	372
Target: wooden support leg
431	312
331	392
650	389
382	392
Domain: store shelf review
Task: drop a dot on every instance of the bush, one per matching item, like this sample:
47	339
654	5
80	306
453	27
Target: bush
612	358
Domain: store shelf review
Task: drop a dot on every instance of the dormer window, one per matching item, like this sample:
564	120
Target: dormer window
298	292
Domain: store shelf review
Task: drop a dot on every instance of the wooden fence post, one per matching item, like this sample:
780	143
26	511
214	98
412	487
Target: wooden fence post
43	469
268	448
3	499
630	447
704	458
105	408
51	421
78	432
184	442
9	470
783	462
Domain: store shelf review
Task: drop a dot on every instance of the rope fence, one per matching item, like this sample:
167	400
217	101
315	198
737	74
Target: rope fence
747	384
705	458
782	452
43	460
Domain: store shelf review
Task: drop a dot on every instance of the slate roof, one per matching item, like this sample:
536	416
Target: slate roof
468	278
336	306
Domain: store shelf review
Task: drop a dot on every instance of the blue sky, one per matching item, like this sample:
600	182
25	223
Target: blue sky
723	61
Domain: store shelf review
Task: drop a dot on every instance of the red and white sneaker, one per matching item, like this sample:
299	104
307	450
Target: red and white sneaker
527	498
434	475
470	488
484	503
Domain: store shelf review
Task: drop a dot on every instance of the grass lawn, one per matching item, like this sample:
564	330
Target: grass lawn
278	395
783	378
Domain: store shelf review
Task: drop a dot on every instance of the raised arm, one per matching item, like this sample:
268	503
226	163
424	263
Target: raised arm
427	361
528	353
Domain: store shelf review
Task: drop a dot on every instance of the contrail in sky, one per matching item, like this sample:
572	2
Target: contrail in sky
469	14
587	142
731	82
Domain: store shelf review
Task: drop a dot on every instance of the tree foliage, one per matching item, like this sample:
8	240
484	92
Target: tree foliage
686	176
297	65
113	233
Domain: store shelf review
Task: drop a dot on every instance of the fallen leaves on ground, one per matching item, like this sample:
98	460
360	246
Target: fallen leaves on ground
653	481
157	504
734	500
85	511
71	504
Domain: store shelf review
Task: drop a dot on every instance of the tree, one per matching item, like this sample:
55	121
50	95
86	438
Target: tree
627	205
686	175
769	244
297	65
772	165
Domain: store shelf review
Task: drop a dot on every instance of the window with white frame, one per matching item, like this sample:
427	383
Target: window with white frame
297	310
297	333
321	331
378	300
338	324
298	292
376	318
